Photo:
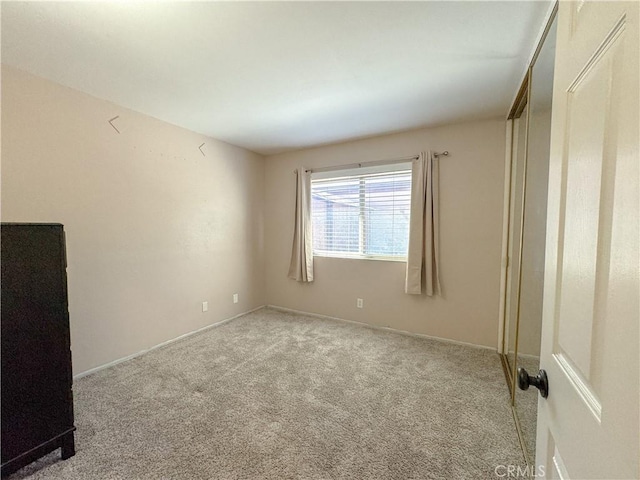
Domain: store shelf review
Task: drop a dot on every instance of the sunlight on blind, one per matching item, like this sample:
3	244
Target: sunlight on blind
362	215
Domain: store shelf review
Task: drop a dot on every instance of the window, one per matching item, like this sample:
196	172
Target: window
362	213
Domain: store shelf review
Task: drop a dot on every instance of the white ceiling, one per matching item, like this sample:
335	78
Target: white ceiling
276	76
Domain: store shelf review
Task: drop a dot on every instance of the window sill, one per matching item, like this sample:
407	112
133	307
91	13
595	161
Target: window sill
346	256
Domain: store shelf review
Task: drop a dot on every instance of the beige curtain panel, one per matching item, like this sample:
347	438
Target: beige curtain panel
301	268
424	252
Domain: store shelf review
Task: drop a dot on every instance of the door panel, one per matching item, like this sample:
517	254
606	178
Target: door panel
589	174
588	426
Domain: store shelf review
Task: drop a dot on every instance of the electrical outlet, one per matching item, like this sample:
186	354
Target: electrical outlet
359	303
235	298
205	306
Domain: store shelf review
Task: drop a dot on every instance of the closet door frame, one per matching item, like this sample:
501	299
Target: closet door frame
521	101
516	112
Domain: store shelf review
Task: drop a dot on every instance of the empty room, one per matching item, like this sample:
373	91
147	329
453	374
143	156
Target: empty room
320	240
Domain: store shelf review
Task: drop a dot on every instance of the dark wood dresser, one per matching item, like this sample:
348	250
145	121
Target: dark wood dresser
37	400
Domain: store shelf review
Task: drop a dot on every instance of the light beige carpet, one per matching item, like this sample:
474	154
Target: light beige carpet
273	395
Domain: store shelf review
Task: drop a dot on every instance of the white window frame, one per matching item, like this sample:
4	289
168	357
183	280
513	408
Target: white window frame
404	166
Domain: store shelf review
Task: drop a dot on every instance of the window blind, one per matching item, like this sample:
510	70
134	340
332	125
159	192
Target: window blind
362	215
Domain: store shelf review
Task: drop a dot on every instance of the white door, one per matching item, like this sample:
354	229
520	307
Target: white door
589	425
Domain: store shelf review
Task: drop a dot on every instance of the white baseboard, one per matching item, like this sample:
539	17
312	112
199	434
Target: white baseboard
284	309
530	356
168	342
387	329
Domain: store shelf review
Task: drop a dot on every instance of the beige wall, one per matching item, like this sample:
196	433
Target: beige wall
471	198
153	227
